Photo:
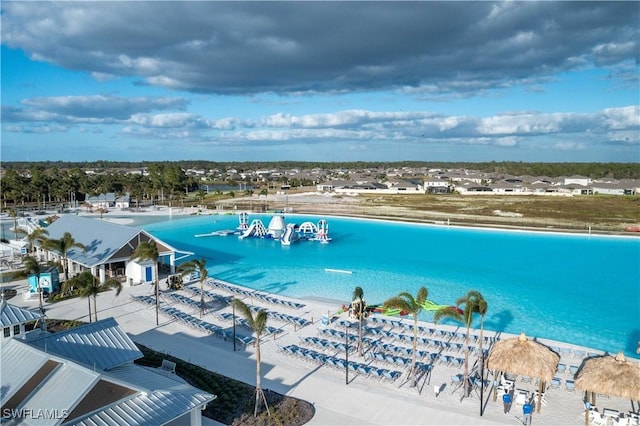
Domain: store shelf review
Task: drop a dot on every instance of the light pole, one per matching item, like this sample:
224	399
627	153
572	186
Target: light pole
233	306
481	379
346	353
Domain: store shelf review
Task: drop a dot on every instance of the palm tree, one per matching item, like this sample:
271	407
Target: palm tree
89	286
358	309
199	266
406	302
147	250
473	303
32	267
483	307
14	215
258	325
38	234
201	194
62	246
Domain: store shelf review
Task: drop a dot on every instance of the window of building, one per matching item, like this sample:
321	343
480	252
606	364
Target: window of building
7	332
16	329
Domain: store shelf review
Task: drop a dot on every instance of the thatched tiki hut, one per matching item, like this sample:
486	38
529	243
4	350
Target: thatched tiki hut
609	375
524	357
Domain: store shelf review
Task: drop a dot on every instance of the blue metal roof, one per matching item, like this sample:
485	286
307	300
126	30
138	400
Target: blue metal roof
101	345
101	238
69	383
13	315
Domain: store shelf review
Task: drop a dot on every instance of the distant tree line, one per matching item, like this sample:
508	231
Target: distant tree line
53	182
592	170
49	183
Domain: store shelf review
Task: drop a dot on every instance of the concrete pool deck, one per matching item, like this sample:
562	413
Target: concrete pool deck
364	401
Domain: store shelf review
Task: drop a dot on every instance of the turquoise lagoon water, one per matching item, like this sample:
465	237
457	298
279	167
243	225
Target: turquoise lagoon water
582	289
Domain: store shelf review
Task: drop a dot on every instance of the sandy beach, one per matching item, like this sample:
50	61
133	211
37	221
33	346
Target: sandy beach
365	400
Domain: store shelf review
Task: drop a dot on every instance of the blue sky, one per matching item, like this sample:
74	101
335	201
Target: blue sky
320	81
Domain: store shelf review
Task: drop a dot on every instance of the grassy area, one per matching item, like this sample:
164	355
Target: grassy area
234	403
599	212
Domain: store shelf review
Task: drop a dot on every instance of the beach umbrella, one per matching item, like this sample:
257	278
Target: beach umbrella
610	375
524	357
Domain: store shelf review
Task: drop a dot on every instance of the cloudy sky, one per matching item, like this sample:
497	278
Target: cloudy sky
329	81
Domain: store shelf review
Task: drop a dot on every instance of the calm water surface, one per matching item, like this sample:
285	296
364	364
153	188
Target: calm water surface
574	288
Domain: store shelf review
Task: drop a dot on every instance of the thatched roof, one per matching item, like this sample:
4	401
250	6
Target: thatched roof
523	357
610	376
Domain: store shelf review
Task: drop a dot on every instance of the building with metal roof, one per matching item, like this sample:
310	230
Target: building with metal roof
102	345
13	320
109	247
53	381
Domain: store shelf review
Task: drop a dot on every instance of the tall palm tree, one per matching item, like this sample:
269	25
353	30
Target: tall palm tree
147	250
32	267
483	307
199	266
89	286
62	246
473	303
406	302
258	324
358	308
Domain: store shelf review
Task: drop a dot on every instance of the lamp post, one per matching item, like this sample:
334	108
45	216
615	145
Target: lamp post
346	353
481	379
233	306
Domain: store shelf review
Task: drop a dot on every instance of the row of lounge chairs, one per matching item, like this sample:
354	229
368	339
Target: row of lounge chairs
265	297
327	344
183	299
439	345
399	361
341	363
227	316
195	322
338	334
195	290
388	352
296	321
431	331
574	353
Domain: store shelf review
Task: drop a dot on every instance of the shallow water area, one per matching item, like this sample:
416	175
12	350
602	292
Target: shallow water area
582	289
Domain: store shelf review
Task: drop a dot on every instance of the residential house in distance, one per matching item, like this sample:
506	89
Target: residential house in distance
109	200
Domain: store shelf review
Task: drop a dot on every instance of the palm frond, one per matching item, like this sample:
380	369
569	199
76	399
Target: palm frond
422	295
260	322
358	293
447	312
398	302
